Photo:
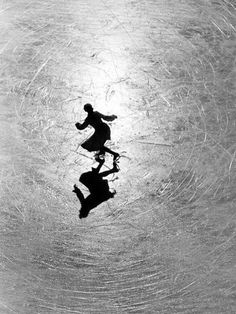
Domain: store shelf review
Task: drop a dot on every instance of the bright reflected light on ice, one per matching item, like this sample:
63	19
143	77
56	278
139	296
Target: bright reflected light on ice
105	77
108	88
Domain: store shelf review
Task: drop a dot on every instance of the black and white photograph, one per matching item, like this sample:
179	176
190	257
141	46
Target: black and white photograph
117	156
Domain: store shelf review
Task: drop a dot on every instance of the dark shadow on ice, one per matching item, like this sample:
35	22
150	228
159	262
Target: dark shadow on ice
97	186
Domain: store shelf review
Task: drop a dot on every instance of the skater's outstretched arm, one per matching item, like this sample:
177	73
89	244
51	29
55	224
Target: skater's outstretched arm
81	126
108	118
79	194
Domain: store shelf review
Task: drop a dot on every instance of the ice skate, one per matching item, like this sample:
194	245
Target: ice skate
99	157
116	157
115	167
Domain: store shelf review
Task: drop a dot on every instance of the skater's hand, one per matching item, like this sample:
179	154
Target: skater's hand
81	126
114	116
78	125
75	187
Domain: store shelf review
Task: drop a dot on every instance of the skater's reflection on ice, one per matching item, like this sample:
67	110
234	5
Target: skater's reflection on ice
97	186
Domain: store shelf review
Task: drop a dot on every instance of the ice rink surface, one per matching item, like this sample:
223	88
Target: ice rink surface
166	242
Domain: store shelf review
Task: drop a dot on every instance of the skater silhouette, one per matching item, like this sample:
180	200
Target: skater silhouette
97	186
102	132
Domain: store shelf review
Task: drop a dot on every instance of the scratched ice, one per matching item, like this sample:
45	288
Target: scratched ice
166	242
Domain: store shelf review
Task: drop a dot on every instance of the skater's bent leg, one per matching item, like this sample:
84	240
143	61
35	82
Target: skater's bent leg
108	150
106	173
101	162
113	170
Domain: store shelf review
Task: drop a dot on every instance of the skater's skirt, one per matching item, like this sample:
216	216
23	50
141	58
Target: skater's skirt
98	139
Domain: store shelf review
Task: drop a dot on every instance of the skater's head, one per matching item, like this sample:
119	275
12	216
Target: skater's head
88	108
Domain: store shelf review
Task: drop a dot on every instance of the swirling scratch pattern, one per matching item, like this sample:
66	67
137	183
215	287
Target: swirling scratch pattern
166	242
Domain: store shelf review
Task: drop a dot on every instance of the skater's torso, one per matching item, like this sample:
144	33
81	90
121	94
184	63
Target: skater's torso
94	119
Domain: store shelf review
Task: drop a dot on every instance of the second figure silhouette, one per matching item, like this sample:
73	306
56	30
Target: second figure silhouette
101	134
